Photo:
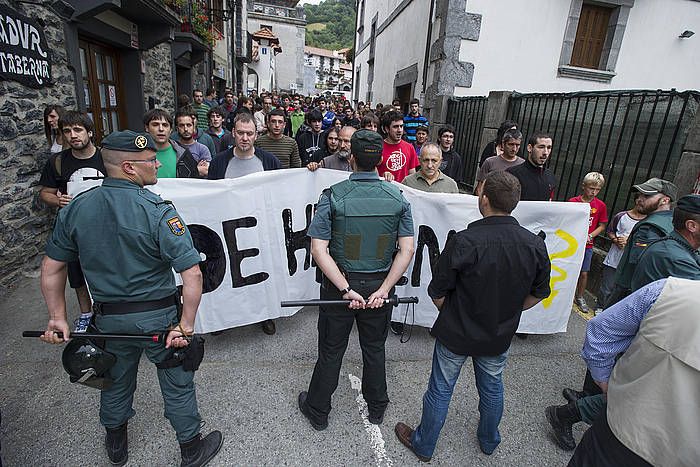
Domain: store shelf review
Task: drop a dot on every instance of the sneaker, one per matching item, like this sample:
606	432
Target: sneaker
581	302
597	311
83	323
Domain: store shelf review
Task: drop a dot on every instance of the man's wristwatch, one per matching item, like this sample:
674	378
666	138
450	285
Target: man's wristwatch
345	290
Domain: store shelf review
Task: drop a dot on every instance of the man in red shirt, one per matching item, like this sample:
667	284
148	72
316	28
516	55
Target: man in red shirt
590	187
399	158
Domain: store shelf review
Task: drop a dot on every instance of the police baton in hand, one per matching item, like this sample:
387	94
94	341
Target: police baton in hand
394	300
93	335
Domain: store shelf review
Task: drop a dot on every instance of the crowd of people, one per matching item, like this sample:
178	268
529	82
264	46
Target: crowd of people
486	276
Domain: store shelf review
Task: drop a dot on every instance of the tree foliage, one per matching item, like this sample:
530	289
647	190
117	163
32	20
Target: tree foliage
339	18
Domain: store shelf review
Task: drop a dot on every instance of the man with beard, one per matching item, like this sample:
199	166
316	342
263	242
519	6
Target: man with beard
655	199
341	159
282	146
175	160
185	126
200	109
656	196
677	253
81	159
399	159
536	180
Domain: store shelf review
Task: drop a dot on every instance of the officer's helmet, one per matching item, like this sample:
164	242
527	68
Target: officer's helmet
86	363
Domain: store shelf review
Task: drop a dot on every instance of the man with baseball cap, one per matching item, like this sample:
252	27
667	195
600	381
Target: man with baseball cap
677	253
655	199
129	240
358	225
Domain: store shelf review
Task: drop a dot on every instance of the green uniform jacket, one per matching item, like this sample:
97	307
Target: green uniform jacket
671	256
657	225
128	240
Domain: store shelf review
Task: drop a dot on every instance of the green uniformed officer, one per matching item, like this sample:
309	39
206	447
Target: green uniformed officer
655	198
128	241
354	236
676	254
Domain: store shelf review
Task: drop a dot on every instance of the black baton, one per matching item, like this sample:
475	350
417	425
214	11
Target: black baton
137	337
395	301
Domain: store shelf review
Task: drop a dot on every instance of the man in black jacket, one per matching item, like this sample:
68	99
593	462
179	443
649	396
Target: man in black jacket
537	181
486	276
310	138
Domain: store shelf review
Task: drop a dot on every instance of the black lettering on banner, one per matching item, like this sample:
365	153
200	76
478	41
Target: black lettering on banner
213	267
237	256
426	237
294	241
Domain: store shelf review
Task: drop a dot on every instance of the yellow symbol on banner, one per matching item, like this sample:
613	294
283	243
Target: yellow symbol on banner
570	250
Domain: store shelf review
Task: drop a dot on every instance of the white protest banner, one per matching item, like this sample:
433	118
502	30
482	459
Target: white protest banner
251	233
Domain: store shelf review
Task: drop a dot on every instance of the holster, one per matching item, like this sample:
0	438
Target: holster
189	357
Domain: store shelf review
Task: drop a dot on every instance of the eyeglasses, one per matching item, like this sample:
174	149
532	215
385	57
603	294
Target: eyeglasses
148	161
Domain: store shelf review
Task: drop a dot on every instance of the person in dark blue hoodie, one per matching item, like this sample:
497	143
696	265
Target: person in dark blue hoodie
243	158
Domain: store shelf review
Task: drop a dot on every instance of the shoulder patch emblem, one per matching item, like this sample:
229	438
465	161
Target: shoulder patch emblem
176	226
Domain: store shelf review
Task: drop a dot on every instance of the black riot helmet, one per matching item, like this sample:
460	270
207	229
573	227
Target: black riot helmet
87	363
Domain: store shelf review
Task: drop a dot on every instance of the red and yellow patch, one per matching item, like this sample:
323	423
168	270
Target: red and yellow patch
176	226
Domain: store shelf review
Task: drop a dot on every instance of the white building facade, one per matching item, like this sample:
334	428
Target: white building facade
330	66
286	21
432	49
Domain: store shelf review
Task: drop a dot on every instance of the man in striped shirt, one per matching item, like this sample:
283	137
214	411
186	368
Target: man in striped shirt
274	141
200	109
412	120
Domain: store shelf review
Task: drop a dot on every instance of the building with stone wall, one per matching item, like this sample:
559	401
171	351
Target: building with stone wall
113	60
286	21
435	49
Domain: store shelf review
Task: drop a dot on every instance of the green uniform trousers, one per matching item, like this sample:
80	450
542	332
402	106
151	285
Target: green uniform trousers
592	407
176	384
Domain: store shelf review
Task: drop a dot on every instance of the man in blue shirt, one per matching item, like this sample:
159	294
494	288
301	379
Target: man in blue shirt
412	120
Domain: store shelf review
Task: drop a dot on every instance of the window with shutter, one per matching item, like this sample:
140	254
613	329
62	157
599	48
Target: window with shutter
590	36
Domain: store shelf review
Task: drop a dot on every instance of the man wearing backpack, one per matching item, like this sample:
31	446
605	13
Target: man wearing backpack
82	159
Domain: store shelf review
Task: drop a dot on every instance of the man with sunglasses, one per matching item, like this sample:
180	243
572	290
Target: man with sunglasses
129	240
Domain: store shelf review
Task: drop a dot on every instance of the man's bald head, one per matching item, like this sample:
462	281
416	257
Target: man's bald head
113	159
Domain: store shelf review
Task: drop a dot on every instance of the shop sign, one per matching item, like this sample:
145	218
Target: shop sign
24	53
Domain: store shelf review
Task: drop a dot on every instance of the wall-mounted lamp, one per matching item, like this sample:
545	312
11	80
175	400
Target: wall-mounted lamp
686	34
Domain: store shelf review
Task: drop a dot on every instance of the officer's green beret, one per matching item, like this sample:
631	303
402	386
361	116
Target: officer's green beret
366	143
689	203
129	141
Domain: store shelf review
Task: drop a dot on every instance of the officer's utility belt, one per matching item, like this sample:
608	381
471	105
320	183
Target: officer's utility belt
134	307
366	276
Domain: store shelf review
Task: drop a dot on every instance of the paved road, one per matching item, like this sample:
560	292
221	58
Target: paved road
247	388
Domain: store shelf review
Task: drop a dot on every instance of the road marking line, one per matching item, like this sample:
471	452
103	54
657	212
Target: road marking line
375	434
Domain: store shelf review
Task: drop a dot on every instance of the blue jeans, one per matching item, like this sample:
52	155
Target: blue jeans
436	401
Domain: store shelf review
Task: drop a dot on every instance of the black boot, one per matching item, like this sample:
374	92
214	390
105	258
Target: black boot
117	444
572	395
199	451
561	418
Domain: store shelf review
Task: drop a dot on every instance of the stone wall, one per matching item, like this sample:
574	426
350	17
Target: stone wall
24	224
158	80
